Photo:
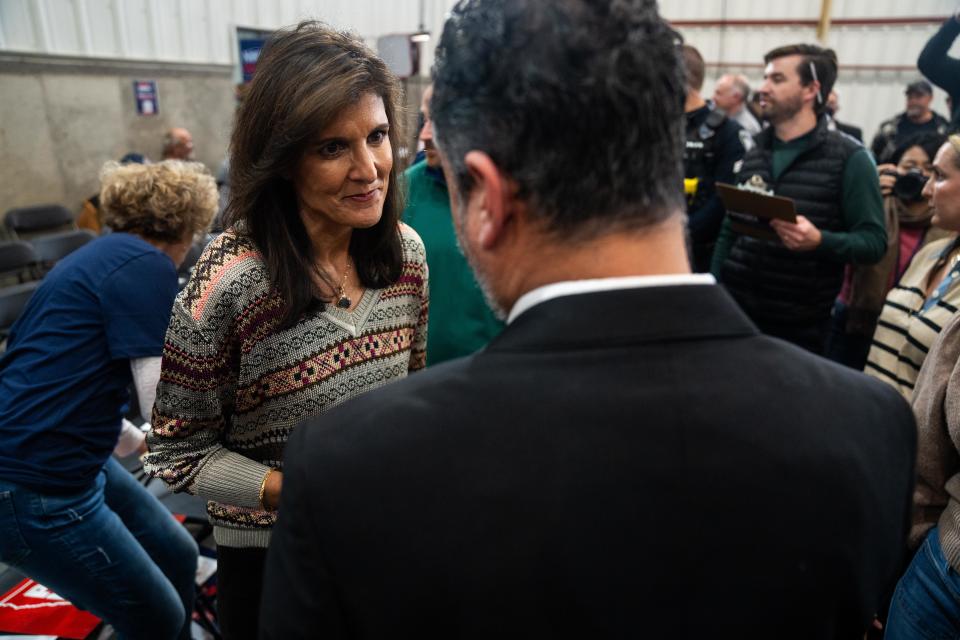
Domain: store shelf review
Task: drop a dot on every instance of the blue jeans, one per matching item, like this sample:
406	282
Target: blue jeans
926	604
111	549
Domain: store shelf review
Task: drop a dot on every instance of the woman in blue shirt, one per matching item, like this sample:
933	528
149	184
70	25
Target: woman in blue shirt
70	516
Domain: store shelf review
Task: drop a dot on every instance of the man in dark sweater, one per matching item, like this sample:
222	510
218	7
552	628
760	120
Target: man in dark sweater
942	70
788	285
918	118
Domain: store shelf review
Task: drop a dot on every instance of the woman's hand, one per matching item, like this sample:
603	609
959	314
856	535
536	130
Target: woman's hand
271	490
888	176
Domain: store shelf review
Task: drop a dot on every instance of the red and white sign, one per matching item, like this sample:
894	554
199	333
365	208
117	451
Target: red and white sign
32	608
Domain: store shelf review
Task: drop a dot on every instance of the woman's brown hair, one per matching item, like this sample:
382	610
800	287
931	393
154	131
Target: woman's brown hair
305	77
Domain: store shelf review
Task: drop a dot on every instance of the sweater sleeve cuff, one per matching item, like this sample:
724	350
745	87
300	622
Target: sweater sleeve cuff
830	243
231	478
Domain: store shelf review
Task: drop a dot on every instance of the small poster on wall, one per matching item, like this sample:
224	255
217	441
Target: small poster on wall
249	54
145	92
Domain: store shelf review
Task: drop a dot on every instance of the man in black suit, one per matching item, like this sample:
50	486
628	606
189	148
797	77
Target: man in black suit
630	457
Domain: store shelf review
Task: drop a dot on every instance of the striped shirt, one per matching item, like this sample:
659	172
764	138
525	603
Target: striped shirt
909	322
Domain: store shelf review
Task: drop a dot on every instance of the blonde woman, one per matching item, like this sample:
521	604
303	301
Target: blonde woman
925	603
70	516
928	294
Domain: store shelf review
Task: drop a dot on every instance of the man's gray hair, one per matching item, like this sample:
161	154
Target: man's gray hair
741	85
169	140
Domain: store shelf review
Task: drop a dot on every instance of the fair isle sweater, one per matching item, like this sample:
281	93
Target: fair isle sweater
233	386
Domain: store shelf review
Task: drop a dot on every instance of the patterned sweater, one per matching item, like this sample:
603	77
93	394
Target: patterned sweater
233	387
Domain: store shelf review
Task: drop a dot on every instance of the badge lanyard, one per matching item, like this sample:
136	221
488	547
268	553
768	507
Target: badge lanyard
945	285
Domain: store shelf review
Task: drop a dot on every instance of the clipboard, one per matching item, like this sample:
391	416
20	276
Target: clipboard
750	212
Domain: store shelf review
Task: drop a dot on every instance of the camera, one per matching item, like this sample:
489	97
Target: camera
909	186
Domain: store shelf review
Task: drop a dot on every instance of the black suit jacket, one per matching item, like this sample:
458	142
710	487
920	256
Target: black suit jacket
635	463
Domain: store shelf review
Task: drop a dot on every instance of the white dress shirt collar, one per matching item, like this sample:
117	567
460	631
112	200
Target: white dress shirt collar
575	287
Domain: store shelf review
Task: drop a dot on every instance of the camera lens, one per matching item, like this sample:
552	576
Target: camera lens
909	186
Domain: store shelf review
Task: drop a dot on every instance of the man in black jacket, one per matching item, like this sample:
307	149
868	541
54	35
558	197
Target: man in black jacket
918	118
630	457
787	282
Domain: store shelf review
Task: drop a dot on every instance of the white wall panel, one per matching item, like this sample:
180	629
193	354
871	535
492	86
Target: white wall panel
193	19
876	59
63	25
138	26
218	30
190	30
17	26
103	37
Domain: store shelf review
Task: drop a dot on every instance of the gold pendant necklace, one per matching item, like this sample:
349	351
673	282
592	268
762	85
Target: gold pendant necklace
343	300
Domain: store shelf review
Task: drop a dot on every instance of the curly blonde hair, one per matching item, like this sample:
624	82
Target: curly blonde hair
162	201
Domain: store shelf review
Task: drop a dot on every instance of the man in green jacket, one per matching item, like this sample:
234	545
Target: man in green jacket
460	322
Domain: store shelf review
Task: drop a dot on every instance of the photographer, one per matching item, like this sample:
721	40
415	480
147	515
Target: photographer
907	215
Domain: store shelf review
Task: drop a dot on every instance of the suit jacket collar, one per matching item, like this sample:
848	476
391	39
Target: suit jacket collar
626	316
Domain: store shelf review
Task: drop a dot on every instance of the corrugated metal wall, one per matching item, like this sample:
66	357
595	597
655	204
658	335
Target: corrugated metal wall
190	30
877	40
877	43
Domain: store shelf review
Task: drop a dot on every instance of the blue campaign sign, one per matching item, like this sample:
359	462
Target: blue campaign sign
148	101
249	54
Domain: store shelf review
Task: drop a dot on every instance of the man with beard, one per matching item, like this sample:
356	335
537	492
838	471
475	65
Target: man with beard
918	118
630	457
460	320
788	285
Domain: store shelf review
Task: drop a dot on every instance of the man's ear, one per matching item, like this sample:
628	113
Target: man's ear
815	91
494	194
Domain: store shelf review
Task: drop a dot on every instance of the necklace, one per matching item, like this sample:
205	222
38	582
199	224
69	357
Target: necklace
343	300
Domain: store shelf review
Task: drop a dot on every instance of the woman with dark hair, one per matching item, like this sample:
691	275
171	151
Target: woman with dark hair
315	293
907	216
71	517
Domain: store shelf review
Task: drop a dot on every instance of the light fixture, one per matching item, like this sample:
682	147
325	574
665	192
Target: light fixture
421	34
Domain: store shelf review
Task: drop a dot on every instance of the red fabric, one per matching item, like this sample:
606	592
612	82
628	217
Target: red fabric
31	608
910	240
847	284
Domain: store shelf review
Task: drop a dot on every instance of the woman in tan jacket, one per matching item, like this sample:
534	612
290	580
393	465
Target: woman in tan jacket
926	603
